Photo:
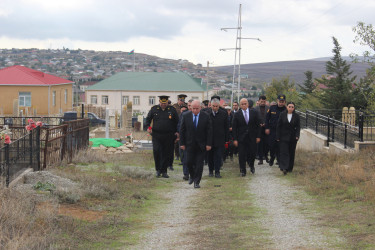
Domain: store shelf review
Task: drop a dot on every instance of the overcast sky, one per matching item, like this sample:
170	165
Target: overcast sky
289	29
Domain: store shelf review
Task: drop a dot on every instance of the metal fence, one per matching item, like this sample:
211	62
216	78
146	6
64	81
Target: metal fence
19	155
337	131
42	147
23	121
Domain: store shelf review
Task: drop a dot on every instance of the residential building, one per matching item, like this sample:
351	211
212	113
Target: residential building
142	89
35	92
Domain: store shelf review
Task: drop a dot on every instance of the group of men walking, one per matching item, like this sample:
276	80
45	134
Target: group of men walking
207	132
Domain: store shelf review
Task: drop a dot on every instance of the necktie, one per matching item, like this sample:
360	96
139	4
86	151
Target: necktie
195	121
246	117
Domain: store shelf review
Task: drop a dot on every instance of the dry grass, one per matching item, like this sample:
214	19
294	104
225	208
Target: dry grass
344	186
22	224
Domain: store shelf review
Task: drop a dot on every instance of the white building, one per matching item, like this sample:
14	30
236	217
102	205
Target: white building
142	89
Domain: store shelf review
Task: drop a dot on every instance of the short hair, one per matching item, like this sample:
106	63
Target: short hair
235	102
291	103
191	100
262	97
215	101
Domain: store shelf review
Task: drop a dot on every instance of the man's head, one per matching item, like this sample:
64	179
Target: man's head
181	99
215	104
281	99
262	100
189	104
163	101
244	104
235	106
228	109
196	107
251	103
205	103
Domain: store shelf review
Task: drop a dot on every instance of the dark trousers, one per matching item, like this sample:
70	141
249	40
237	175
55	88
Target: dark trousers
177	150
185	169
162	149
263	146
287	153
246	153
273	145
195	158
215	156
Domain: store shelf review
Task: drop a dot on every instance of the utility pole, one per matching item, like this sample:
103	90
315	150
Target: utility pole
207	76
238	47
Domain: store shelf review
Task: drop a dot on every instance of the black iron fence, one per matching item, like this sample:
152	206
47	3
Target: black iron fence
360	127
19	155
41	147
23	121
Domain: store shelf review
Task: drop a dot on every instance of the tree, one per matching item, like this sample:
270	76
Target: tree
281	86
308	85
338	93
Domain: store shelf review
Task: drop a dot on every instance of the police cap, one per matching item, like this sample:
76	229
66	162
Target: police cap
181	97
215	97
281	97
205	102
163	98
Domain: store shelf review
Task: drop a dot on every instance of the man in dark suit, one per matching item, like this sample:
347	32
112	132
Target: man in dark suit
262	109
196	139
246	134
220	130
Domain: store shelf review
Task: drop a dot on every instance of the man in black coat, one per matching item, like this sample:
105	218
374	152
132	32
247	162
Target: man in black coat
164	121
196	139
246	134
220	130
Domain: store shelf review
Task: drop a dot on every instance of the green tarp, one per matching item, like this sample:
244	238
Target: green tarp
107	142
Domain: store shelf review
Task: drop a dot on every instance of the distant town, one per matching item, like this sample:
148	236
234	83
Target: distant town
86	67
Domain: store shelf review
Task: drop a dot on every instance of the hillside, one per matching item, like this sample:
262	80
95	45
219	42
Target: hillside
264	72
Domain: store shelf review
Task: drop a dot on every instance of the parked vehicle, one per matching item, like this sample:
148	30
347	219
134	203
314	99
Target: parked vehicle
94	119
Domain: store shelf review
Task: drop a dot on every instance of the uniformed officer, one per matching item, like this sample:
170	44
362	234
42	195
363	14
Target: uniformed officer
272	117
164	120
206	106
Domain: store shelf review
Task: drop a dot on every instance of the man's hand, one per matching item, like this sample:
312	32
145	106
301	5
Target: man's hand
177	137
149	130
257	140
297	138
182	147
230	129
208	148
235	143
267	131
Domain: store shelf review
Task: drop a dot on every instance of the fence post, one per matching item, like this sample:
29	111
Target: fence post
316	124
64	141
7	178
37	144
31	147
45	150
333	129
83	111
360	126
328	130
307	113
345	134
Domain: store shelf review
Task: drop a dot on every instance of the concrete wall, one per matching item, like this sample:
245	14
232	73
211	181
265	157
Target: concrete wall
310	141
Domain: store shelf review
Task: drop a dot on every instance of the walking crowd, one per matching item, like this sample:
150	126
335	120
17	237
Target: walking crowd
212	132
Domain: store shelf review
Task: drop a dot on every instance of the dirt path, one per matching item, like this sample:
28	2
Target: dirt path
292	225
170	224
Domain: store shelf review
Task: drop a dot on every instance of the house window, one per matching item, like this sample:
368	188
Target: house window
53	98
195	98
125	100
24	99
151	100
94	99
104	99
66	96
136	100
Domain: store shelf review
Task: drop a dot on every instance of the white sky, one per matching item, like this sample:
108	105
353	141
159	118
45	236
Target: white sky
289	29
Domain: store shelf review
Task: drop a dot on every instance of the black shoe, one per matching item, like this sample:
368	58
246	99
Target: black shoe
186	177
243	174
271	161
267	160
158	174
196	185
252	170
164	175
285	171
211	175
191	181
260	162
171	168
217	175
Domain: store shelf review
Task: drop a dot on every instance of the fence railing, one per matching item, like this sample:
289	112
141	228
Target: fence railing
42	147
20	154
22	121
337	131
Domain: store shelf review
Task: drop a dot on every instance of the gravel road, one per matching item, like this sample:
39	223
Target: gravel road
290	223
